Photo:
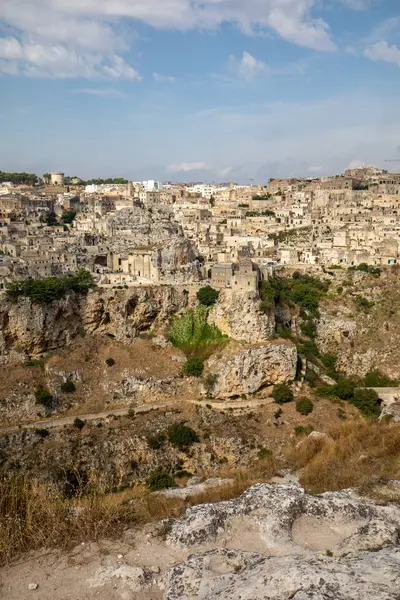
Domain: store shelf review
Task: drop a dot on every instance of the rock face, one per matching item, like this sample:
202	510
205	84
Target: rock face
233	575
279	543
246	370
30	329
237	315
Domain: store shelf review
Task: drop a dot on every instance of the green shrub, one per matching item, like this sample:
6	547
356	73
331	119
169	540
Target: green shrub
78	423
311	377
160	480
68	387
309	328
181	436
329	361
44	291
377	379
263	453
304	406
110	362
155	442
282	393
367	401
33	363
282	331
375	271
182	474
43	433
301	430
209	382
344	388
325	390
309	349
362	302
278	413
266	306
43	397
193	367
207	296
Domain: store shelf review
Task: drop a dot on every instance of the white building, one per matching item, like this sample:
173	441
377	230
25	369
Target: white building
206	190
151	185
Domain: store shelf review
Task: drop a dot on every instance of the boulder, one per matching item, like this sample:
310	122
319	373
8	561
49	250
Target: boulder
245	370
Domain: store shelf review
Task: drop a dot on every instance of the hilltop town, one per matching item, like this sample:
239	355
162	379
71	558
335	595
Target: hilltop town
134	233
164	346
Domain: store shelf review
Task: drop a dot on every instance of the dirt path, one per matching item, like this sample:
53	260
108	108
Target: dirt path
62	421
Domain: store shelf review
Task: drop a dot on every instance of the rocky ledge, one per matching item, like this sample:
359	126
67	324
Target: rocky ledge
279	543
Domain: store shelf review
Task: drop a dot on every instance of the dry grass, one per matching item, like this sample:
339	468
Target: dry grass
34	516
357	453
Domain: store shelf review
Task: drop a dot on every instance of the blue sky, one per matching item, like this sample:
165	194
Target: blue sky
199	89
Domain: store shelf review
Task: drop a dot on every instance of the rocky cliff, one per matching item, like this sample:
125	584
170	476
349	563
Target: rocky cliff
28	329
238	315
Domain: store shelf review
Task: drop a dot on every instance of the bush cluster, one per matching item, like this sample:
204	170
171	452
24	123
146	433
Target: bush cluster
304	406
155	442
366	400
282	393
301	290
375	271
160	480
44	291
193	367
181	436
68	387
377	379
43	397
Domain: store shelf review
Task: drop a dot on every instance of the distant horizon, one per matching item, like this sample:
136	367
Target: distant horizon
207	182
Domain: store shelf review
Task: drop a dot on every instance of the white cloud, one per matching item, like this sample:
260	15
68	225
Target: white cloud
225	172
382	52
356	164
315	169
34	59
248	67
103	27
187	166
105	92
163	78
358	4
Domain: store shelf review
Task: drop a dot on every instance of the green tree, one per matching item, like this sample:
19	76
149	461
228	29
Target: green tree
367	401
207	296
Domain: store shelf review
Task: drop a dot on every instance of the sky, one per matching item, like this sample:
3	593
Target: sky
199	90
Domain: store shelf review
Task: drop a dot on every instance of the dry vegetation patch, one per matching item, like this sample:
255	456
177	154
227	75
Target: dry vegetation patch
354	454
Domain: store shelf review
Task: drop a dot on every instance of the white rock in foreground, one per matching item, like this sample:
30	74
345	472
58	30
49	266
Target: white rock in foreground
273	542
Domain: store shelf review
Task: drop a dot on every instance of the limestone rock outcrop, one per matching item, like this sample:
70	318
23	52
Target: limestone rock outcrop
28	329
238	315
235	575
245	370
278	542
